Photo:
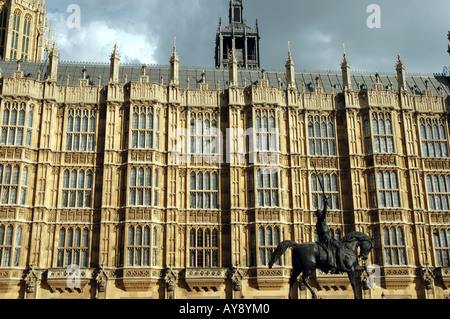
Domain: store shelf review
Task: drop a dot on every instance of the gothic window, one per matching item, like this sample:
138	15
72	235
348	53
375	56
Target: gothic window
26	37
378	133
329	182
80	135
204	190
10	245
142	250
3	30
442	247
434	138
267	188
143	186
204	247
17	124
265	131
73	247
394	246
77	189
321	136
15	35
13	184
388	190
268	240
203	134
145	128
438	187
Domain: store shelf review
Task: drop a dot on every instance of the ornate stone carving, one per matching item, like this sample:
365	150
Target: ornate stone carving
236	278
170	279
32	277
70	278
428	277
205	278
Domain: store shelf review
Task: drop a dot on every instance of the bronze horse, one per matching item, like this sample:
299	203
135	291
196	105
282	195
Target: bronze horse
309	256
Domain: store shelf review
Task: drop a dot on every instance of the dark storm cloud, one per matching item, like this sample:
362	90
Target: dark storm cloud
145	29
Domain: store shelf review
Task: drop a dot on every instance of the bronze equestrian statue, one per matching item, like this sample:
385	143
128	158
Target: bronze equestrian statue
327	254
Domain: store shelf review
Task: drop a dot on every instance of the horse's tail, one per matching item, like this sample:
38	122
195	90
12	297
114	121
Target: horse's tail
280	250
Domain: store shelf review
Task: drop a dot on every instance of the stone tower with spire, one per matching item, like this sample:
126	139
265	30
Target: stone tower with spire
23	26
245	39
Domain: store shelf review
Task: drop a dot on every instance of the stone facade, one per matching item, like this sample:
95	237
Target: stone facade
167	182
23	27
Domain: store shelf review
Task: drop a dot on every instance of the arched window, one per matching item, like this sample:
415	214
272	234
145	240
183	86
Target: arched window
140	249
382	133
438	188
267	188
433	138
15	35
388	190
204	248
77	189
203	134
10	245
442	247
321	136
204	190
80	134
394	246
73	247
143	186
13	129
26	37
268	240
144	128
265	131
12	186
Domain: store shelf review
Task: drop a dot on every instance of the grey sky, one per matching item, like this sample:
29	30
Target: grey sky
417	29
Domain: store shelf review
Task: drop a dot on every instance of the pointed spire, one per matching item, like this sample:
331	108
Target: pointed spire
174	65
289	59
115	64
346	76
399	65
290	69
50	35
345	63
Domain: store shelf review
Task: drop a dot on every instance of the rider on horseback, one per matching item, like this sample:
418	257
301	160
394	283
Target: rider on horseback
326	240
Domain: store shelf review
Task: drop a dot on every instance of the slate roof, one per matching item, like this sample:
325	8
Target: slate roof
213	75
